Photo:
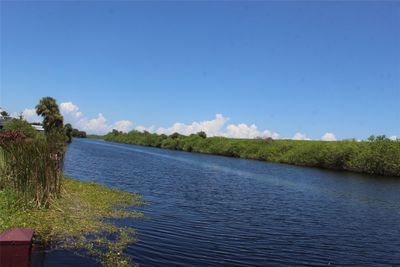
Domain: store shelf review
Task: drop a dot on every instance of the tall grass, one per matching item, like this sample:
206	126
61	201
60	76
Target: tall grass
2	161
32	168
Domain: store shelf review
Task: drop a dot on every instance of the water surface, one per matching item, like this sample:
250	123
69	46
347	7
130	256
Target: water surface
206	210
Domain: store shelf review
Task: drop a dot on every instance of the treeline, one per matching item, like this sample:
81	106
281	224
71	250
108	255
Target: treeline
31	161
378	155
78	133
25	128
72	132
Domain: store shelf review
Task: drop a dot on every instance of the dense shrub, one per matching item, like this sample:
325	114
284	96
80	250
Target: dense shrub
77	133
378	155
21	126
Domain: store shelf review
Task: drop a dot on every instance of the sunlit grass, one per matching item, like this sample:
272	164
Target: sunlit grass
76	220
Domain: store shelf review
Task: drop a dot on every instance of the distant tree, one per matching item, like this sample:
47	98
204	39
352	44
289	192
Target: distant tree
382	138
68	132
82	134
378	138
77	133
52	118
175	135
4	113
202	134
21	126
268	140
115	131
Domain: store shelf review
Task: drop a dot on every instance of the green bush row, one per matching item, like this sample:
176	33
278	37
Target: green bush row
378	155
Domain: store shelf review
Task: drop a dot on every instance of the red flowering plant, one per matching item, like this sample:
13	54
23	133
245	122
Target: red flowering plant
10	136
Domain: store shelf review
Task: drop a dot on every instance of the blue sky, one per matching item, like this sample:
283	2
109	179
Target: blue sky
287	67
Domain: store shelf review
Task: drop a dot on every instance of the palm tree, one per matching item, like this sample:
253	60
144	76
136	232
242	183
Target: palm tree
52	118
68	132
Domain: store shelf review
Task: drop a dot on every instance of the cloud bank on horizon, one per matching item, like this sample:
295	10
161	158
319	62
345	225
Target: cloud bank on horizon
215	127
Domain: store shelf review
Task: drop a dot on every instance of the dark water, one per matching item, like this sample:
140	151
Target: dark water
216	211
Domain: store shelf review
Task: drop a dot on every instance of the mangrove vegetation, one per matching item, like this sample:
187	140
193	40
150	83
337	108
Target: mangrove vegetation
378	155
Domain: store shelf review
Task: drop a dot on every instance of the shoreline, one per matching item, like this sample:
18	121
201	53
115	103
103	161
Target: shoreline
363	174
78	220
377	157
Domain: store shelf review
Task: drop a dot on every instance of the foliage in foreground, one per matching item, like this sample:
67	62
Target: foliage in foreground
32	162
21	126
64	213
378	155
76	219
32	168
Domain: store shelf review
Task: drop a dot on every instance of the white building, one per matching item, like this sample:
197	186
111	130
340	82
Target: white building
38	128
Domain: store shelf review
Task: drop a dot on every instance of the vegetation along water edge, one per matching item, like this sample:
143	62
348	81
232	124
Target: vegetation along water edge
378	155
64	213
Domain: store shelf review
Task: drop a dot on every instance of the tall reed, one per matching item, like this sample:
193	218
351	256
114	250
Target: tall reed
32	168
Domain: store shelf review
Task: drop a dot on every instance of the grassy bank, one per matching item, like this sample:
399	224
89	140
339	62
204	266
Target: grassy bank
378	155
76	220
64	213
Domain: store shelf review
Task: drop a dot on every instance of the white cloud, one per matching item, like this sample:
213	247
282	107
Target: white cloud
214	127
211	127
15	114
29	114
300	136
142	128
71	113
273	135
70	109
328	137
242	130
124	125
98	125
393	137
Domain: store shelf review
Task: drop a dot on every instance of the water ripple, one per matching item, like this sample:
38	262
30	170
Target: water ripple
205	210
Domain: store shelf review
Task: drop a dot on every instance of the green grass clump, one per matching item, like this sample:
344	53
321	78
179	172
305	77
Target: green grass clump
32	168
378	156
77	219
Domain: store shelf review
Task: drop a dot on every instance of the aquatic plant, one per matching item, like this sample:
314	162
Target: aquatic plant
78	220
